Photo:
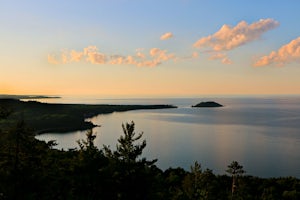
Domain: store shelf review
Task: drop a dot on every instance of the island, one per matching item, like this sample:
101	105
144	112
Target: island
209	104
50	117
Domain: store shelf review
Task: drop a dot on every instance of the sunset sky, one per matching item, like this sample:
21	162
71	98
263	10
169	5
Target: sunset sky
139	48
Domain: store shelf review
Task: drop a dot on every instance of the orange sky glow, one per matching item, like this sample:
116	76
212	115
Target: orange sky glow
143	50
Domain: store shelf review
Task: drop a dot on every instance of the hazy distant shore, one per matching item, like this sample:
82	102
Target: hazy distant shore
8	96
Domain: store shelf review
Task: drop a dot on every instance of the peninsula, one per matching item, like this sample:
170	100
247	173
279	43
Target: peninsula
45	117
208	104
7	96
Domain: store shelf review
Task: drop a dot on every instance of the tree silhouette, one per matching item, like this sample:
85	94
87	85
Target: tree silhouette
89	169
235	170
4	112
192	182
133	177
126	149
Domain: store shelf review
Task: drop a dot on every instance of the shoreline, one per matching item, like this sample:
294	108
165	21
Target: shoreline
49	118
20	97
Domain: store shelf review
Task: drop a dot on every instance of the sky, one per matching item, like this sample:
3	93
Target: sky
143	48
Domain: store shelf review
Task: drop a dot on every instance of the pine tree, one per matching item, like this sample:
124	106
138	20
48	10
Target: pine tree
132	177
235	170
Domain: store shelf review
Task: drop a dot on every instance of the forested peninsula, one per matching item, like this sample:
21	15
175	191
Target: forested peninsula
45	117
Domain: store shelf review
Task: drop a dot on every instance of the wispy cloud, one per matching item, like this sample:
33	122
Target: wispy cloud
195	54
220	56
166	36
228	37
92	55
286	54
52	59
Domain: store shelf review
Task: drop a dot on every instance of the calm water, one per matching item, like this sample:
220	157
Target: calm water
261	133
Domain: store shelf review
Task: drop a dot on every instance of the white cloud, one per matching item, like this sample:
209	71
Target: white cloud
166	36
285	54
228	37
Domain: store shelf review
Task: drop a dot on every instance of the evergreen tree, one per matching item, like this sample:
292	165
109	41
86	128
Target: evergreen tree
192	182
22	162
133	178
235	170
88	170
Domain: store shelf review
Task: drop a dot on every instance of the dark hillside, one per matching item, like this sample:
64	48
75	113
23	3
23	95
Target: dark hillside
43	117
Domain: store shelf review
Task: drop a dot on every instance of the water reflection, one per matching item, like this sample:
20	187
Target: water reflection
265	139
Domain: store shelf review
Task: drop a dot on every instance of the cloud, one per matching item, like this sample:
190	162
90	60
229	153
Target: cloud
161	55
220	56
140	55
195	54
286	54
228	38
76	56
52	60
217	56
226	61
166	36
92	55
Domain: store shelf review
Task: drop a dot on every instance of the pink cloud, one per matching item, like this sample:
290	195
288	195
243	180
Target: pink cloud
195	54
166	36
92	55
226	61
228	37
286	54
220	56
161	55
76	56
52	59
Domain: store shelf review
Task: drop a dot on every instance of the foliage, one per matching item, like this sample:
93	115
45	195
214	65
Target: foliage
235	170
43	117
133	178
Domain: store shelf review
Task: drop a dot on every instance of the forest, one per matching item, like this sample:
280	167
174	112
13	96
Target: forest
33	169
45	117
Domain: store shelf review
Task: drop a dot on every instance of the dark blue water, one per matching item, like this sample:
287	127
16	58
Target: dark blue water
261	133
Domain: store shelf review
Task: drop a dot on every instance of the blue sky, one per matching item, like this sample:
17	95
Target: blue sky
113	48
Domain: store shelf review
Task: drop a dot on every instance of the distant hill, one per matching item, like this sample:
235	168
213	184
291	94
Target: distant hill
208	104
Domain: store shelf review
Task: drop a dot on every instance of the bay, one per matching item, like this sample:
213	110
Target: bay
260	132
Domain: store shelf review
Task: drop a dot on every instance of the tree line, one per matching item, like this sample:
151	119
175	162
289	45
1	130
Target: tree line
33	169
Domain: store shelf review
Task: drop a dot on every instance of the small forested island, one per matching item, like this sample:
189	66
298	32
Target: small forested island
46	117
209	104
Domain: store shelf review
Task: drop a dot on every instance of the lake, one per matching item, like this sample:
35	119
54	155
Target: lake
261	133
